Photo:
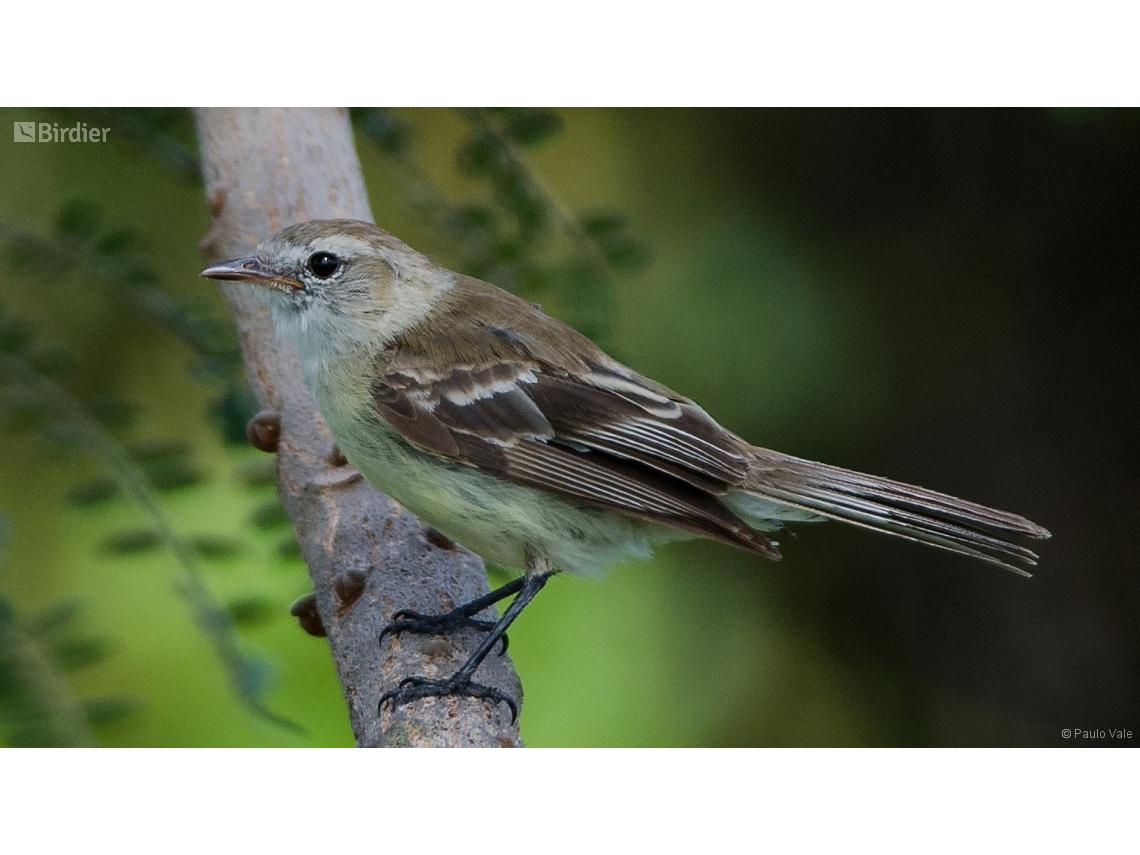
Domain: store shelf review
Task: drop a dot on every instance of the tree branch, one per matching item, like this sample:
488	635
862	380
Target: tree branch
264	170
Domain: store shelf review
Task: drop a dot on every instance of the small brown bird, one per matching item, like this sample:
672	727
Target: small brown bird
515	435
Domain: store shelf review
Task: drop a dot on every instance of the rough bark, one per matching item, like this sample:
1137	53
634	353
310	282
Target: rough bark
264	170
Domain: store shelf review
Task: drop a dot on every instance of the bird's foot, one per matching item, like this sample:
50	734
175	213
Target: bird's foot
414	688
452	621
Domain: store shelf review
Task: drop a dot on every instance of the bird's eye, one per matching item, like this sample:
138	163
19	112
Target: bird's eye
323	264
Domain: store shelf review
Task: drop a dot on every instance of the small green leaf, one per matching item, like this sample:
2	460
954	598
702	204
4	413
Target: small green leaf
75	653
139	276
20	411
259	472
512	187
234	410
93	492
170	474
479	154
33	734
109	710
251	610
131	541
57	616
532	215
602	224
15	336
625	254
154	450
508	250
117	242
113	413
23	251
52	362
389	133
611	234
78	219
289	548
216	546
531	127
270	515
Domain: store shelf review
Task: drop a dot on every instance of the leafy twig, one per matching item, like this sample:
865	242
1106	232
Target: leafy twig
249	675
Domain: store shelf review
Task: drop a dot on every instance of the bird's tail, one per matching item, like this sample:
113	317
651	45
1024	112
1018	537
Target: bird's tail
781	487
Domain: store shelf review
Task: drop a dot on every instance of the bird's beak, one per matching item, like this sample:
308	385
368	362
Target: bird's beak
250	270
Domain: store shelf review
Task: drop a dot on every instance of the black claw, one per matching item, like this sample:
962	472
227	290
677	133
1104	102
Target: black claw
408	621
414	688
460	683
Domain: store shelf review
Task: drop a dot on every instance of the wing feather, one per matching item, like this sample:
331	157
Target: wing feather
494	385
620	446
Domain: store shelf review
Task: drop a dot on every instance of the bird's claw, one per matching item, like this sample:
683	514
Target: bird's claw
409	621
414	688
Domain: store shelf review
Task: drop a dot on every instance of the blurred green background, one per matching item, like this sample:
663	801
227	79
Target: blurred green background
945	297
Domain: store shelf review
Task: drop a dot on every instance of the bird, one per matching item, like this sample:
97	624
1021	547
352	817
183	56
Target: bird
516	436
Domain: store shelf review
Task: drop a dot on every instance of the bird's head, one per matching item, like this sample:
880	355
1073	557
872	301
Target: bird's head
338	285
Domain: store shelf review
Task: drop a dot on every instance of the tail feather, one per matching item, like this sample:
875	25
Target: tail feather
894	508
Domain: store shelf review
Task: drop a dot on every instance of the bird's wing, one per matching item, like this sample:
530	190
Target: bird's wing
594	431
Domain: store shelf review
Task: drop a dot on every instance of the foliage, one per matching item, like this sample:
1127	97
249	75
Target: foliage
940	296
521	236
141	473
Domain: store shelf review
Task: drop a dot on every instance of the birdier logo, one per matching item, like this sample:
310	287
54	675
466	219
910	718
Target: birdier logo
52	132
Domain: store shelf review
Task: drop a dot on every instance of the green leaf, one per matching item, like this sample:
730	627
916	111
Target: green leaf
172	473
602	224
154	450
234	410
625	254
139	275
78	219
93	492
20	411
58	616
270	515
52	362
15	336
33	734
24	252
251	610
113	413
389	133
75	653
131	541
289	548
534	126
216	546
109	710
117	242
258	472
478	155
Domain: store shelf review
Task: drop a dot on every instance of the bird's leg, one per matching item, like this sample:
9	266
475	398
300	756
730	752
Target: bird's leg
456	619
460	683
